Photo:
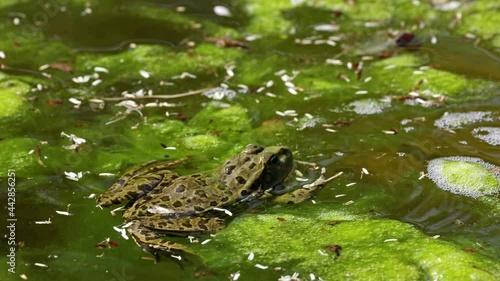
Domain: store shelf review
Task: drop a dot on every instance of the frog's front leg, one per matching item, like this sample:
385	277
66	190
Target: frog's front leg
305	192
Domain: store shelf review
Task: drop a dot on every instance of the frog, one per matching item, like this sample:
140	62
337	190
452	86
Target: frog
162	203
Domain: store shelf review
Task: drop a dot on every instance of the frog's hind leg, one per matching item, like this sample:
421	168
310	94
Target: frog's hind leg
137	182
153	242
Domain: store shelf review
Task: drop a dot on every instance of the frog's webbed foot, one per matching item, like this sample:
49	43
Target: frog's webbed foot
304	193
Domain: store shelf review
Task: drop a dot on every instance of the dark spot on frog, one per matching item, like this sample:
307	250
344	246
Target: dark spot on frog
201	193
187	224
181	188
241	180
252	166
177	204
201	182
244	193
224	199
246	159
145	187
198	208
230	169
121	182
202	226
165	198
213	203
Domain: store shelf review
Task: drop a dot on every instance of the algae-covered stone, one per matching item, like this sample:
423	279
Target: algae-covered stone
370	249
468	176
11	96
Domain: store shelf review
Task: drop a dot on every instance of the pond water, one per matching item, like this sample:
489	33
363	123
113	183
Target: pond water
325	79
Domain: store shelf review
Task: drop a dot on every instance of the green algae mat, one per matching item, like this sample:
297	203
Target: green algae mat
401	97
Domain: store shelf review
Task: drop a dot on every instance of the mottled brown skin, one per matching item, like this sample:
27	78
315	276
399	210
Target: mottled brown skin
162	202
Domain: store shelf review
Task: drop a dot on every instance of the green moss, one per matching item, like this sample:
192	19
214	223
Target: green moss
204	143
14	155
485	24
266	17
470	175
293	241
228	123
11	97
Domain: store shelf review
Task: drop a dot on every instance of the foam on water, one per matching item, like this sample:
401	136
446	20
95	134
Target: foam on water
369	106
465	177
490	135
458	119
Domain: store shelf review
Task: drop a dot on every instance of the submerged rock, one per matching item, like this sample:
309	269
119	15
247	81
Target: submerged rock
490	135
469	176
456	120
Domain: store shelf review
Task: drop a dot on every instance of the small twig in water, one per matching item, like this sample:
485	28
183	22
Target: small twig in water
175	96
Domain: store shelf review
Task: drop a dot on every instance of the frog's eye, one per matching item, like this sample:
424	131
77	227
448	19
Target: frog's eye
274	160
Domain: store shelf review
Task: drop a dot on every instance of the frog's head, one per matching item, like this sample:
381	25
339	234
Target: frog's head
256	169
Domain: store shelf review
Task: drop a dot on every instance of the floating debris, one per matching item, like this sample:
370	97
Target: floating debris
205	241
40	264
251	256
144	74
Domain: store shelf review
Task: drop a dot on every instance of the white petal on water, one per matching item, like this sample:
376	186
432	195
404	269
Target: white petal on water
365	171
40	264
350	184
160	210
227	212
391	240
361	92
258	265
251	256
2	55
222	11
96	82
176	257
144	74
236	276
334	62
64	213
326	27
206	241
101	69
43	222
